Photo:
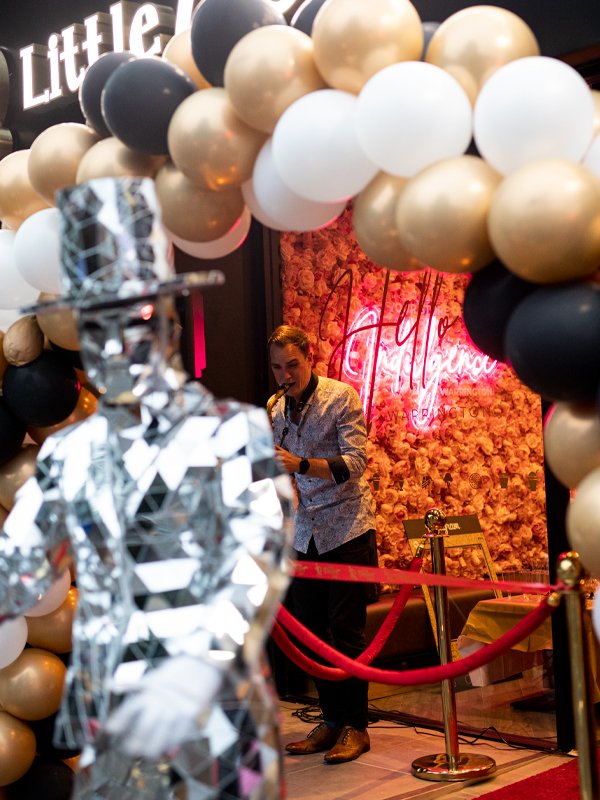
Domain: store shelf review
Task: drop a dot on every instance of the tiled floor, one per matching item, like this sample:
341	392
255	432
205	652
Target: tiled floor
384	773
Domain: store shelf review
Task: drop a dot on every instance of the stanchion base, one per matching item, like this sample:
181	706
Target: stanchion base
466	767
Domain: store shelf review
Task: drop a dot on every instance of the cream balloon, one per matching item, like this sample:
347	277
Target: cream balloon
374	222
267	70
55	156
15	291
583	522
194	214
411	115
316	150
473	43
178	51
596	100
544	221
572	442
37	250
210	144
533	109
52	598
442	214
353	39
592	157
18	198
110	158
286	209
13	636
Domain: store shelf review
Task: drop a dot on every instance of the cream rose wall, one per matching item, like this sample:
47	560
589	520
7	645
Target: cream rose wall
481	453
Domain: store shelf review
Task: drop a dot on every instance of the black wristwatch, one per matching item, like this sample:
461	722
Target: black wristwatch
303	466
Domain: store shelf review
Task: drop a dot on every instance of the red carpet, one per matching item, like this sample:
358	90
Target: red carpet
560	782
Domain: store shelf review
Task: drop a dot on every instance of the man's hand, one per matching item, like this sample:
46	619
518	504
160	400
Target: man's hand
286	460
163	711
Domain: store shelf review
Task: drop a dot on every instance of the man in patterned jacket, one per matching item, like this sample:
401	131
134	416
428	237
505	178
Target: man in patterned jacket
320	438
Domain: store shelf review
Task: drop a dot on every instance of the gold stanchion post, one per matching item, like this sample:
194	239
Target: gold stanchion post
570	572
451	765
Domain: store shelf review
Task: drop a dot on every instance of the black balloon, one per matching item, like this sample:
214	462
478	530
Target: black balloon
553	342
71	357
490	299
139	99
12	433
305	16
47	778
43	392
44	733
90	91
217	27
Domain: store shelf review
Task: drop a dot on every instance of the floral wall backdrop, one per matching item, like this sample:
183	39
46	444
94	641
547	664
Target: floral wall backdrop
448	426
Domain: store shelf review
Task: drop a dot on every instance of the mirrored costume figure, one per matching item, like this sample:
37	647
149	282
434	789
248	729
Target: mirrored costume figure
171	506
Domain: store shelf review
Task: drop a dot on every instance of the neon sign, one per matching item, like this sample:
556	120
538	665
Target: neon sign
141	29
411	355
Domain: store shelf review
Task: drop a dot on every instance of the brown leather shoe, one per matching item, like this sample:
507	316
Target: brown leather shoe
320	738
351	744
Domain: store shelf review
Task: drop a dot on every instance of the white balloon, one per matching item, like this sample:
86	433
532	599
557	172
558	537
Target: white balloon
583	522
15	292
533	108
316	151
592	157
37	250
7	317
287	210
572	441
13	636
222	246
257	211
410	115
53	598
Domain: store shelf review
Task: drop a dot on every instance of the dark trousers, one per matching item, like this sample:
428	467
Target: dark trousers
336	611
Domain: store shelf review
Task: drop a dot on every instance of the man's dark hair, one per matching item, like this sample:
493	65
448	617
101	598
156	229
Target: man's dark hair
288	334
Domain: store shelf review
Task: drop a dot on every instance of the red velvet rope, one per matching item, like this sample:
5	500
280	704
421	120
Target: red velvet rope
351	572
391	618
347	667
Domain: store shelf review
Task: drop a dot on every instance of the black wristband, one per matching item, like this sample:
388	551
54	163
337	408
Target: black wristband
303	466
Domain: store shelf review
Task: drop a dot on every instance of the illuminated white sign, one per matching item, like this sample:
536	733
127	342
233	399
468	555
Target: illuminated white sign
57	69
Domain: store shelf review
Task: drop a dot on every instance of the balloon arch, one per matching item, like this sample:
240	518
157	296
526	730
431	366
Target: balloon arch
460	147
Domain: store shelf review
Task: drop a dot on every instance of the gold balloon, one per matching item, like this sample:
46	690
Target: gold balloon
17	748
194	214
267	70
87	404
442	214
23	342
54	631
110	158
179	53
474	42
210	144
55	156
354	39
59	326
15	472
18	198
374	221
596	99
31	687
544	221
